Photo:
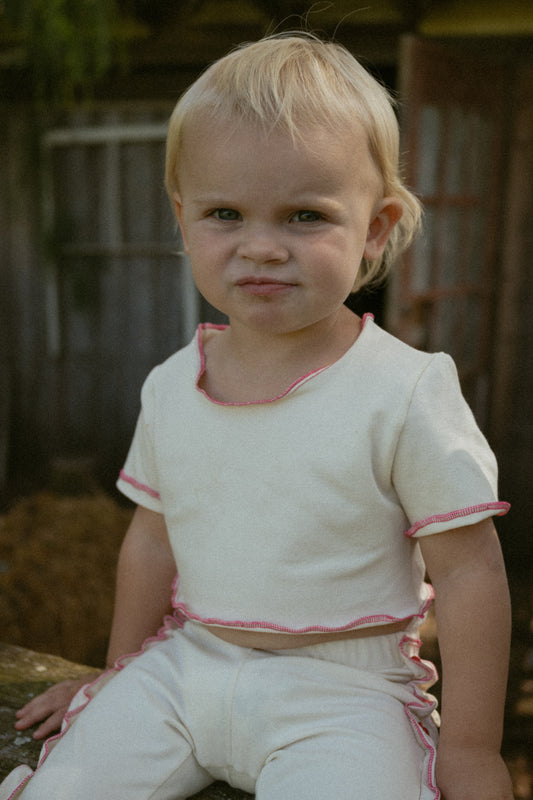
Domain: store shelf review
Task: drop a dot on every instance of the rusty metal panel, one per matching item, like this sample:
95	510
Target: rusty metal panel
453	131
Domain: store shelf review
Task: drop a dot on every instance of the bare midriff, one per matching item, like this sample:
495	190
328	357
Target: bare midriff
266	640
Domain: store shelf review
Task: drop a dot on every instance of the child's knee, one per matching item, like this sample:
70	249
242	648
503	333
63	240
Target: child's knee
335	766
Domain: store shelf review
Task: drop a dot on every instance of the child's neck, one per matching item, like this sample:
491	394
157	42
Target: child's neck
246	366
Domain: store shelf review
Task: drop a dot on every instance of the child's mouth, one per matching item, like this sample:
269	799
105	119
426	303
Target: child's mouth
263	286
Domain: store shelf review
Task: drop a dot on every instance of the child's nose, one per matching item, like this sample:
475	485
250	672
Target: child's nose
262	246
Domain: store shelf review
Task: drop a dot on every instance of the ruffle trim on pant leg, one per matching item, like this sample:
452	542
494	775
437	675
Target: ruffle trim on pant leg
13	785
15	782
422	713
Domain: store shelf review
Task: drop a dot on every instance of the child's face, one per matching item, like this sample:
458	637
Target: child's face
276	230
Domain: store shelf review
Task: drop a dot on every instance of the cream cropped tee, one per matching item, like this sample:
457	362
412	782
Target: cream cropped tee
302	513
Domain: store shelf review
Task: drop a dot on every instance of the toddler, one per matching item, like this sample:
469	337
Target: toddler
300	469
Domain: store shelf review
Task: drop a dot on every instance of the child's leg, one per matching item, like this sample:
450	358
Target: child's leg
341	720
66	784
373	756
129	742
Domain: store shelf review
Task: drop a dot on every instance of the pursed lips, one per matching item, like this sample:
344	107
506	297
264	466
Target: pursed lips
262	285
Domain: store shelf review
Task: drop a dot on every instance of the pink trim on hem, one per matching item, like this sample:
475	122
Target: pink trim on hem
500	508
141	486
378	619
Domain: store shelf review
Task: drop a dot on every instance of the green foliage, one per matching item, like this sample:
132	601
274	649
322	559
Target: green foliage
69	43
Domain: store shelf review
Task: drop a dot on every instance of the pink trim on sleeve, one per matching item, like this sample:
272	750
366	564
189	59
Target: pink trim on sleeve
141	486
499	508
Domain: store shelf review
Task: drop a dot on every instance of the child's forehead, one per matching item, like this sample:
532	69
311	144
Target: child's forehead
231	150
224	130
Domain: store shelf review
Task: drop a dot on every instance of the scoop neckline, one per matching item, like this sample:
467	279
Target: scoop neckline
206	326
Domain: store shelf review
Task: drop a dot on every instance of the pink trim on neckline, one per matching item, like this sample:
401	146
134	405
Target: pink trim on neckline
500	508
298	382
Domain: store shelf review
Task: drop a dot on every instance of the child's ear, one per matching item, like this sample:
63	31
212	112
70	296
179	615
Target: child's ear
386	215
178	210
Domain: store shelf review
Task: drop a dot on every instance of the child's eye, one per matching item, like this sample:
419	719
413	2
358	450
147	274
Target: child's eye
226	214
306	216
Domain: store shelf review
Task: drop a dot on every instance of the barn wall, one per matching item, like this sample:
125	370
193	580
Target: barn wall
22	385
513	373
105	298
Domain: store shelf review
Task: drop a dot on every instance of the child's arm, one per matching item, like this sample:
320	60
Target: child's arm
473	624
146	569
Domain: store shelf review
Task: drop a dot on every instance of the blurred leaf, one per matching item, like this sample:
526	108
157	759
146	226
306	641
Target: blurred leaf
69	44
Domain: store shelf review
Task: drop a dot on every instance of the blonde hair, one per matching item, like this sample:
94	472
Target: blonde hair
294	82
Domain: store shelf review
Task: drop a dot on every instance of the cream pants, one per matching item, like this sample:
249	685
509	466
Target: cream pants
342	720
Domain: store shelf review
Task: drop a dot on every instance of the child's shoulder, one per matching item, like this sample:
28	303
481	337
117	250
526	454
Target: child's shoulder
393	373
386	353
182	366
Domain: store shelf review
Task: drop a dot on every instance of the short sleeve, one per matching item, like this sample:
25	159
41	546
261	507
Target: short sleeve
444	472
138	479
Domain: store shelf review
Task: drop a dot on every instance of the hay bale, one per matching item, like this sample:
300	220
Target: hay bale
58	558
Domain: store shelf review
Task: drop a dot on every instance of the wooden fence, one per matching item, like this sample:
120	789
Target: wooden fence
95	290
